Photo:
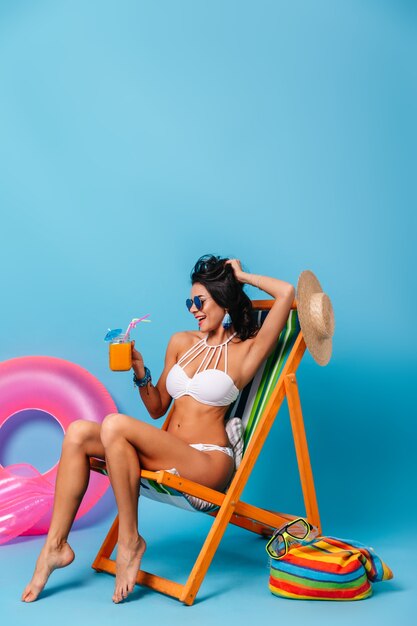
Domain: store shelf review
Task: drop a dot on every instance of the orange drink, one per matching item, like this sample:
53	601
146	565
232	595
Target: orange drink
120	355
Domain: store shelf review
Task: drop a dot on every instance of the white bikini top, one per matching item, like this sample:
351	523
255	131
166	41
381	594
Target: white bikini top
209	386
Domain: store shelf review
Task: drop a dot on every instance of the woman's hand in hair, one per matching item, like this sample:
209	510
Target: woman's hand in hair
237	269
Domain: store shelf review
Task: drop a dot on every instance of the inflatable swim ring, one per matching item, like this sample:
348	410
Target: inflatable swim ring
25	497
67	392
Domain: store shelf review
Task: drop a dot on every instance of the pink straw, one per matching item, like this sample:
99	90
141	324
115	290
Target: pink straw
133	323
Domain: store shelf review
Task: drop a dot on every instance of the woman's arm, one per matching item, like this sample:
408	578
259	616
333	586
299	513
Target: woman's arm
155	397
264	341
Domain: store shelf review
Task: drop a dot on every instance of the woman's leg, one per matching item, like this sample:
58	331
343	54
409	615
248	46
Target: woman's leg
129	445
81	441
124	472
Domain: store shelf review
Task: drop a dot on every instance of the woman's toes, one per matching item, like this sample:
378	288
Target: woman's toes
25	595
116	596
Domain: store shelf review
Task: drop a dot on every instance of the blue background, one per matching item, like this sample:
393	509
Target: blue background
136	136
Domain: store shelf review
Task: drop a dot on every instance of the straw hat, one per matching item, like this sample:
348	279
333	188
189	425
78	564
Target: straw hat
315	313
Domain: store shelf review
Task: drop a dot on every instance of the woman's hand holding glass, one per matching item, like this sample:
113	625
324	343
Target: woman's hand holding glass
138	365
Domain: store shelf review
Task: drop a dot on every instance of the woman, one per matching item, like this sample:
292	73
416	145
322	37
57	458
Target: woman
203	372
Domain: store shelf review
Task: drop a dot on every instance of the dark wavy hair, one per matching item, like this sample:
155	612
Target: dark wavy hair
219	280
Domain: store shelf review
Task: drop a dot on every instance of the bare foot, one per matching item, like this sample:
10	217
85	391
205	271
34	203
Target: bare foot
49	559
129	556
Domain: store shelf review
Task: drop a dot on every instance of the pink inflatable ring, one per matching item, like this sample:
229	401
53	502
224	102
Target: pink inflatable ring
67	392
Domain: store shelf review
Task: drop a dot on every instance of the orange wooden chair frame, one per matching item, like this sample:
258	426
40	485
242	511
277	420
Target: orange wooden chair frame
231	508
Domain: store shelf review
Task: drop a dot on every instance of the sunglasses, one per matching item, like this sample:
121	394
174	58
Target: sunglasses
198	303
295	532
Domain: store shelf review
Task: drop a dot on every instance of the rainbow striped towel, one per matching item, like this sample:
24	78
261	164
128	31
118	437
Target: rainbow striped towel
327	569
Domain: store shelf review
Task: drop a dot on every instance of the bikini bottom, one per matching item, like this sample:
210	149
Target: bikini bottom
197	503
209	447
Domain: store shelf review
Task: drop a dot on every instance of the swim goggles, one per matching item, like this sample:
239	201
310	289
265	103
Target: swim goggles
295	532
198	303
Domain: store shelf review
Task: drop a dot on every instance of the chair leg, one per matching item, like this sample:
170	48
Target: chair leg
301	449
207	552
225	515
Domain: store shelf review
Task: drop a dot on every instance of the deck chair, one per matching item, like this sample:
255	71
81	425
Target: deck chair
257	405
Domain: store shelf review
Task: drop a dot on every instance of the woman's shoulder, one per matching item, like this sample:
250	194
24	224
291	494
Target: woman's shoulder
185	338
